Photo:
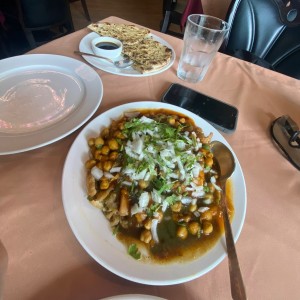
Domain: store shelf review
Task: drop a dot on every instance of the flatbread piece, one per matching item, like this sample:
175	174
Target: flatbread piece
147	54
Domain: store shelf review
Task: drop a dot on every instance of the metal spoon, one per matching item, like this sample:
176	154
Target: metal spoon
226	163
122	63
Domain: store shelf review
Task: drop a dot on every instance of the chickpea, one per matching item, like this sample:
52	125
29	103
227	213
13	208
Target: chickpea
207	228
209	161
113	144
194	228
104	158
206	215
209	196
182	232
119	135
140	217
143	184
113	155
107	165
92	150
105	150
98	154
90	164
148	223
99	142
99	165
192	207
217	195
104	184
204	151
91	142
105	133
186	218
171	121
146	236
182	120
176	207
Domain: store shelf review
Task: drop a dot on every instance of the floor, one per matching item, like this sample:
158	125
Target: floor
144	12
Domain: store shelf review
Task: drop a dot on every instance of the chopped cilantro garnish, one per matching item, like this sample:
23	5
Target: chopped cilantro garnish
154	207
206	189
116	230
172	199
134	251
199	233
206	147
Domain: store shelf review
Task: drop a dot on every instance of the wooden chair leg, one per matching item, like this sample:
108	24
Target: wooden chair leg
86	12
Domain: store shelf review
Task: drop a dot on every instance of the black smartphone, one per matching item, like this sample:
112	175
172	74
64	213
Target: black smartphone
220	114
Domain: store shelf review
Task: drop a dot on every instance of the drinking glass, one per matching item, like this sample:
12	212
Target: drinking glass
203	37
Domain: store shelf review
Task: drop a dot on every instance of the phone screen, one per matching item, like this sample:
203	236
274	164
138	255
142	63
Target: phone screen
222	115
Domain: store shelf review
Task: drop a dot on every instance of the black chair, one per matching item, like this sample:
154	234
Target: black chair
172	13
265	32
85	9
175	12
44	20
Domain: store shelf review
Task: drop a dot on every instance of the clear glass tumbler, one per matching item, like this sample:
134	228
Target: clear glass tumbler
203	37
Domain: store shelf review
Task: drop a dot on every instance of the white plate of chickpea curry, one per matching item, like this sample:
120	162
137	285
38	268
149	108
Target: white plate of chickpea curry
141	194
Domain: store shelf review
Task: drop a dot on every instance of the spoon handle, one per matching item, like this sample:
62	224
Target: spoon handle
238	291
94	55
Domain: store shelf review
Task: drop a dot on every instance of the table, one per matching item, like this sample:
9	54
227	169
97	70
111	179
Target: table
45	261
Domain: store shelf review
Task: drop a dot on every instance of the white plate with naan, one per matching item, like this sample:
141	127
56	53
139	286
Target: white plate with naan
85	45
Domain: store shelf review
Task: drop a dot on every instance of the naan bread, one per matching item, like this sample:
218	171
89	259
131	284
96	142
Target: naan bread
127	34
147	54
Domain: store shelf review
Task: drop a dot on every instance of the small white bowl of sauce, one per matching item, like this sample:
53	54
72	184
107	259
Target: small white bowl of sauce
107	46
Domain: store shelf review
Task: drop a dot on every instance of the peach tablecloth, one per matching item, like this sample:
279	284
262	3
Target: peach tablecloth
45	261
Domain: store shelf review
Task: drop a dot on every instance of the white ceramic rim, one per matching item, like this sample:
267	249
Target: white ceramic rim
92	96
83	218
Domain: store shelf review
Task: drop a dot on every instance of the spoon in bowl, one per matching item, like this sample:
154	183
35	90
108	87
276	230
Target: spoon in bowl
122	63
226	164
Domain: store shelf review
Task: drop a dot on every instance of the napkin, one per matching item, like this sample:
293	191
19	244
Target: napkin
192	7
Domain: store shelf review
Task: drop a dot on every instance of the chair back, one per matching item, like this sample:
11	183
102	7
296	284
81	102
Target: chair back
172	15
53	16
39	13
267	29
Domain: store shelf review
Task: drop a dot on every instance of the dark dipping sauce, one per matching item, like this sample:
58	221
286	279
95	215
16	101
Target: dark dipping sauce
172	249
107	46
